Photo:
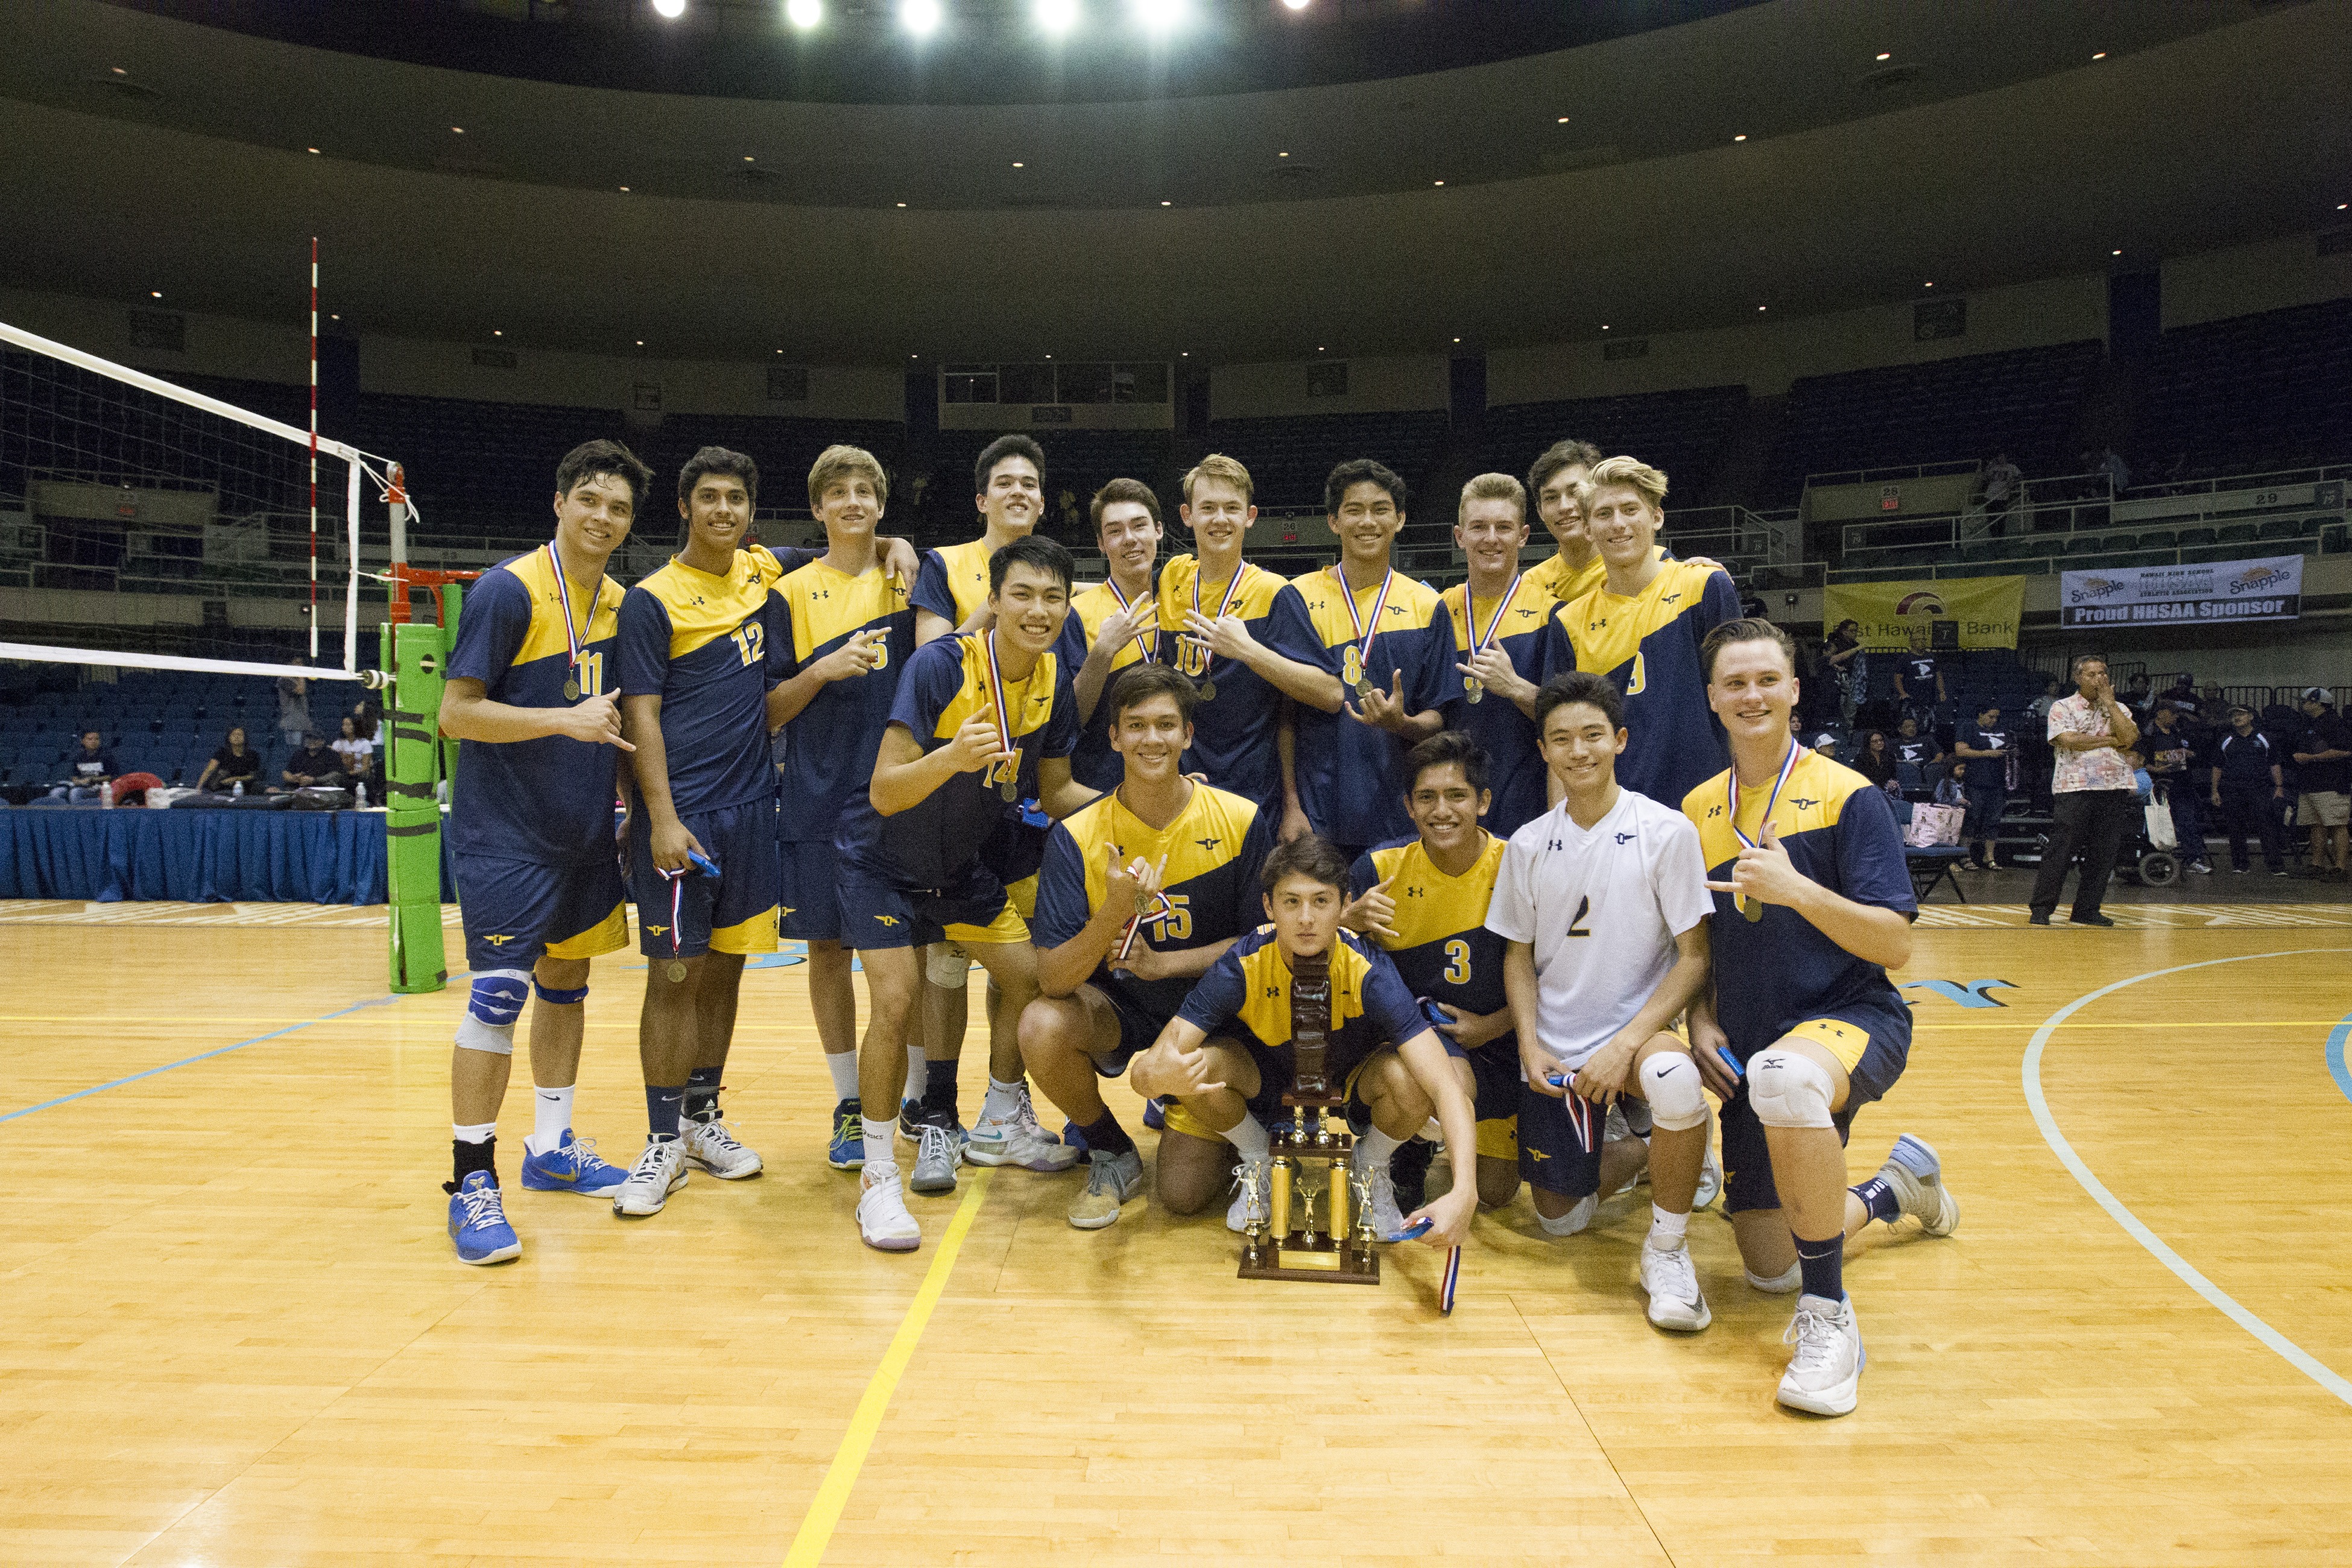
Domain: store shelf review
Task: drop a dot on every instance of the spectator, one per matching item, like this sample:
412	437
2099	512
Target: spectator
2092	795
1984	751
1825	743
2323	760
356	749
234	764
2171	753
1922	751
293	710
2139	699
1842	656
2118	472
1919	680
2184	701
2032	745
2001	481
1951	788
1876	761
2248	788
88	770
315	763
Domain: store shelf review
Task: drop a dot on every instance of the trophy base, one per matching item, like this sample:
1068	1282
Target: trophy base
1325	1262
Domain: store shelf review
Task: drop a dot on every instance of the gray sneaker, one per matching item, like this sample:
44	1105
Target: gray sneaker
1111	1180
937	1153
660	1170
1916	1175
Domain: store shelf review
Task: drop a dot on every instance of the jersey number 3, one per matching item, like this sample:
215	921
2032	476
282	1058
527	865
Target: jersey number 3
1457	962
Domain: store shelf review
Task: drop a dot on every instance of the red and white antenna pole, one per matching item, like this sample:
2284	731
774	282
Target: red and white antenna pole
314	447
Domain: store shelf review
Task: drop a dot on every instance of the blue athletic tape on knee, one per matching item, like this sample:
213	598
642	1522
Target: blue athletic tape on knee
561	998
1677	1100
1790	1089
491	1010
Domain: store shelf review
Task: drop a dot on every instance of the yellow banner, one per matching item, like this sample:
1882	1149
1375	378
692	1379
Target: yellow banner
1954	612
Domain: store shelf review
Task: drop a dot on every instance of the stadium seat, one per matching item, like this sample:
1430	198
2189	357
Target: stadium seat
2280	528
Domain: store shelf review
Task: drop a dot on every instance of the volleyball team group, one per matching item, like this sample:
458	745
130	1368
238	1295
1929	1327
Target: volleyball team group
1576	884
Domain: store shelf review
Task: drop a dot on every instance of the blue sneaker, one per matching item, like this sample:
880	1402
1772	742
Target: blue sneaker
571	1166
478	1221
847	1150
910	1119
1155	1114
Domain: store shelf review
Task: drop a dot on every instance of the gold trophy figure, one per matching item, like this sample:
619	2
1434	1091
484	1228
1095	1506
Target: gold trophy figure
1307	1149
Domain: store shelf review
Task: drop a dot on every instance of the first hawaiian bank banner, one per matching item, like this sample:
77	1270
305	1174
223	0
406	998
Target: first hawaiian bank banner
2270	589
1950	613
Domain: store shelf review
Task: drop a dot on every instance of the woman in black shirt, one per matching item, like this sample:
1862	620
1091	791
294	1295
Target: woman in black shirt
233	765
1877	761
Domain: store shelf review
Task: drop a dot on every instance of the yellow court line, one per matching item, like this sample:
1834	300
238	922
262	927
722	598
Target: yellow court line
2227	1024
824	1512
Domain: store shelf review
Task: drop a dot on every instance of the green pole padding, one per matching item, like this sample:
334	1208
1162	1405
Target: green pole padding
414	657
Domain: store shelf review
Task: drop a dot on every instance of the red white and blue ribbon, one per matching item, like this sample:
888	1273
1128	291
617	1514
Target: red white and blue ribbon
1159	915
1149	651
1494	623
1449	1280
997	696
1364	638
677	881
1233	588
1788	766
572	632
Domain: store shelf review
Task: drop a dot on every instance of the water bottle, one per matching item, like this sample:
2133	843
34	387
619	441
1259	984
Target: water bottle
359	796
106	794
239	792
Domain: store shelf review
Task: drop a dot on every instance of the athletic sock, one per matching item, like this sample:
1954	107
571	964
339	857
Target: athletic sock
1878	1196
844	1069
662	1106
879	1150
1375	1149
1823	1263
1250	1138
473	1148
1105	1134
939	1096
1004	1098
702	1088
551	1119
918	1073
1667	1230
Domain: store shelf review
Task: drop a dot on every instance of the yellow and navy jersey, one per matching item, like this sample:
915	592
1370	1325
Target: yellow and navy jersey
1647	644
1233	744
1514	766
934	842
953	582
703	644
1352	774
1246	996
1554	577
1094	763
548	801
1444	950
829	759
1214	849
1774	974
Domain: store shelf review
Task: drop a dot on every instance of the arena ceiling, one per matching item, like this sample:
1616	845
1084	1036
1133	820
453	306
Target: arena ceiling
1668	177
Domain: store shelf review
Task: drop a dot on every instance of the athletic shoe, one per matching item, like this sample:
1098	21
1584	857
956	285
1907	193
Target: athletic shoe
1111	1180
1675	1301
1918	1178
1410	1170
712	1146
1781	1286
936	1155
1155	1113
910	1118
1387	1217
1253	1193
571	1166
1825	1374
2037	919
1018	1140
478	1221
2091	920
883	1222
1710	1180
847	1150
2202	868
659	1172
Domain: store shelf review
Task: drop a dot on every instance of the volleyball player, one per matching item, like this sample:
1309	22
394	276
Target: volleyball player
843	633
975	715
1500	615
1603	902
1140	893
1643	628
1424	899
951	590
530	699
1574	568
1812	906
1226	1055
1372	657
1114	624
1213	608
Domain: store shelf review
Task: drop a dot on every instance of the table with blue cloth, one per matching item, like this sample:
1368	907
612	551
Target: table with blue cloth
198	857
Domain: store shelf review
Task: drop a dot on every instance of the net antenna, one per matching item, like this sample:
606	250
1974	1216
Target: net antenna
135	485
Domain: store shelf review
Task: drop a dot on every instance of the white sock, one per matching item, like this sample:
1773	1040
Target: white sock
1004	1098
1666	1230
919	1072
1375	1149
844	1069
551	1119
879	1150
478	1132
1248	1137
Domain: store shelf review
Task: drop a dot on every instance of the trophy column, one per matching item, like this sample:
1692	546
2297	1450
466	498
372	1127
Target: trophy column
1334	1254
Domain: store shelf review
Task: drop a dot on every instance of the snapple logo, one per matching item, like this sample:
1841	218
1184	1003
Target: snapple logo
2258	580
2098	588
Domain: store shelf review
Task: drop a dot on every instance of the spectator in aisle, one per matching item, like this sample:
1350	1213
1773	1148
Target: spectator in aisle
2248	788
1919	680
2001	478
315	763
2092	795
1876	761
1983	750
1842	654
234	764
356	749
293	708
88	770
2171	753
2323	760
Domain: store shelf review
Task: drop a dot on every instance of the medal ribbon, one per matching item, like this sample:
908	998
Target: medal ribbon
1157	917
1232	589
572	633
996	695
1364	637
1494	623
1788	766
1151	652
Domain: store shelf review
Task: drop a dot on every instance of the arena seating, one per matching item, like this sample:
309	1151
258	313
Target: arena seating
1289	457
2249	394
1680	432
1079	461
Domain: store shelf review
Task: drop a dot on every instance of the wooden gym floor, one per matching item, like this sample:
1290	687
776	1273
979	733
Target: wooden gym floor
233	1332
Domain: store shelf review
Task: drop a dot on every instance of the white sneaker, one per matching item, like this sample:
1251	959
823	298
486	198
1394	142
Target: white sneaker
1253	1193
1825	1374
1387	1219
660	1170
883	1222
936	1155
1018	1139
1917	1174
712	1146
1675	1301
1710	1181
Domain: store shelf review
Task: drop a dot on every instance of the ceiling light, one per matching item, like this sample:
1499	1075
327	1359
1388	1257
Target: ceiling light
1563	119
1439	182
1885	55
1296	5
119	70
624	187
498	333
1049	356
313	148
1926	285
902	204
1763	307
335	316
749	159
1187	354
456	131
1318	348
803	14
2115	253
1742	137
780	351
1282	155
1057	16
1020	165
1167	203
2100	55
1604	326
670	10
1458	340
641	342
1160	15
920	18
154	293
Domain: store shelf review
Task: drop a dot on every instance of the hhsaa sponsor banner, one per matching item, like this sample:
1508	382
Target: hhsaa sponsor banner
2270	589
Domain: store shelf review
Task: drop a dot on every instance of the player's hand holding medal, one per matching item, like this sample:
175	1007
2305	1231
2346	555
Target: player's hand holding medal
1134	887
1221	635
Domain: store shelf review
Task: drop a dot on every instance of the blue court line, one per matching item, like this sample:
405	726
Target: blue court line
2294	1354
2337	1068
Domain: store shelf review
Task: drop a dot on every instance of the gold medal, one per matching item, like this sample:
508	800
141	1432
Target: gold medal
677	970
1473	689
1208	692
571	688
1009	789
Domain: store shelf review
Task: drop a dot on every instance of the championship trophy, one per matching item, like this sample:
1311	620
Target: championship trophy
1312	1161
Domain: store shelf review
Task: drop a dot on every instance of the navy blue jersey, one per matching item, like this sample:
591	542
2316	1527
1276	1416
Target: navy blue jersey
1094	763
1444	950
1233	744
1246	996
2244	760
1515	765
1648	646
829	760
549	801
704	644
952	581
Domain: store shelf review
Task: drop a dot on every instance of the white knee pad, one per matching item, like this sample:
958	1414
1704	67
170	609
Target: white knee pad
949	966
491	1010
1575	1219
1788	1090
1677	1102
1780	1285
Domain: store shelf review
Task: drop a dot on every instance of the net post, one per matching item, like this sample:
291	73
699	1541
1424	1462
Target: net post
314	457
415	657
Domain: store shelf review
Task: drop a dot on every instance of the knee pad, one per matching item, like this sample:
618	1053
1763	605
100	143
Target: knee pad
1677	1102
491	1010
561	998
1575	1219
949	966
1788	1090
1780	1285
